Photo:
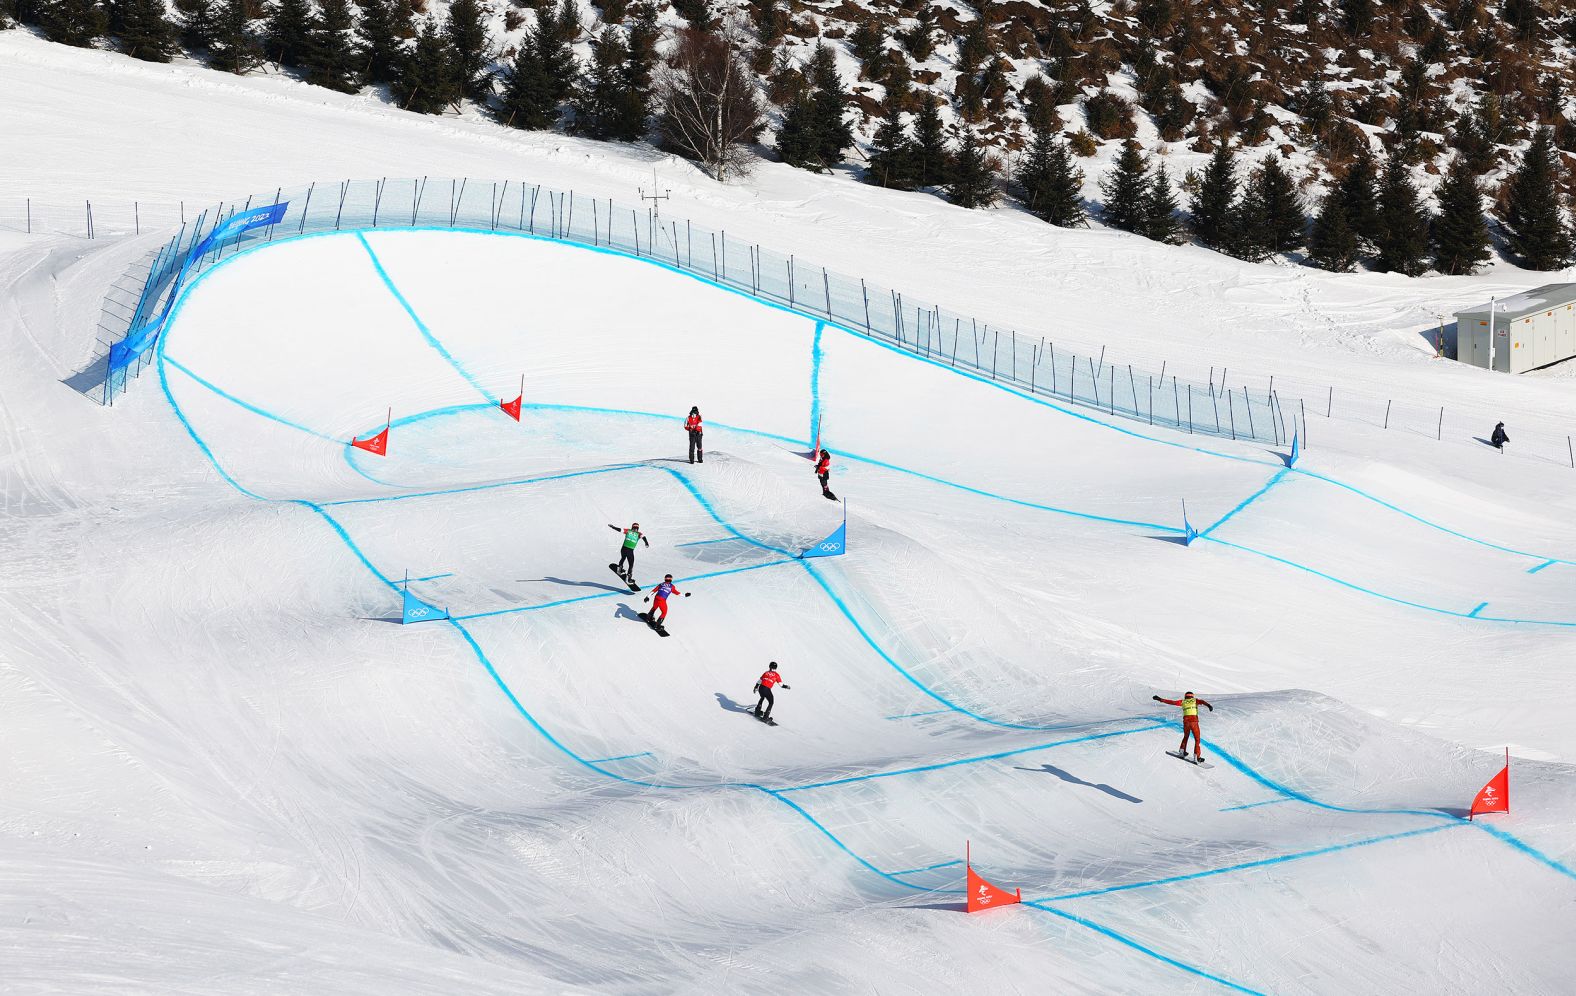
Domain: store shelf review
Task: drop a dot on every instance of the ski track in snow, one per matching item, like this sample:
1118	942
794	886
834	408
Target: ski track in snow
1051	905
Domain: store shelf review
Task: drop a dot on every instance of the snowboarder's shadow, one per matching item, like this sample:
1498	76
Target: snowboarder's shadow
625	612
729	705
1073	779
1486	442
574	584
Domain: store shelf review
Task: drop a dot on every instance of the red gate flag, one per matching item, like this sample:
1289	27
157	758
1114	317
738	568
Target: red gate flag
984	896
1495	796
512	408
377	445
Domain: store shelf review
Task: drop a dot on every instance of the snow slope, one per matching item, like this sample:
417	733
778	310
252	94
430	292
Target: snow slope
226	771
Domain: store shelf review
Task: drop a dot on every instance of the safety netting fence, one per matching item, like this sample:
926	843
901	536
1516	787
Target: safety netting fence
1028	363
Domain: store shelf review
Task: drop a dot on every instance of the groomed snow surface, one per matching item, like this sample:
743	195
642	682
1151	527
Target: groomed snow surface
224	770
230	771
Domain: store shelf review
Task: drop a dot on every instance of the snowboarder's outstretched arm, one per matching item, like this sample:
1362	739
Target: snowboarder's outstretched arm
1175	702
616	529
644	540
1201	702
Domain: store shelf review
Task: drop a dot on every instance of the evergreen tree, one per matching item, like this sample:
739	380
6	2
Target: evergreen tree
921	41
1333	244
144	29
1160	209
72	22
815	130
828	132
466	32
1535	229
543	75
428	82
383	24
641	44
893	159
1270	218
1052	185
333	61
1460	231
234	49
1403	223
797	141
930	144
868	42
1126	191
606	104
197	23
1214	205
972	182
288	31
1360	196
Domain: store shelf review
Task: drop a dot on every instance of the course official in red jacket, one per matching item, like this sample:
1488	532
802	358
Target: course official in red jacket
823	471
693	426
764	687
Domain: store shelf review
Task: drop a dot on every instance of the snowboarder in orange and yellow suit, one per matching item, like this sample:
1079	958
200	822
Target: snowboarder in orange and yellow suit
1189	703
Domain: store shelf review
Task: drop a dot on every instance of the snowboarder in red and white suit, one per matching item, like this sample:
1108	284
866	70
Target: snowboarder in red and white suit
693	426
764	688
1189	703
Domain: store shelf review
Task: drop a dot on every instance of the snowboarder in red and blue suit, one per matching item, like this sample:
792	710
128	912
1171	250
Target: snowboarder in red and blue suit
659	599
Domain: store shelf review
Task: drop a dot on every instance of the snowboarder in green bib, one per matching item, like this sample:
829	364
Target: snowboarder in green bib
625	568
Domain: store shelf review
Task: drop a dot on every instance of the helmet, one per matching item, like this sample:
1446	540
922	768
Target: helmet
694	409
634	525
1187	695
772	666
669	577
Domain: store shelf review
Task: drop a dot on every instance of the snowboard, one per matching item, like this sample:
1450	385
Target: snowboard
1181	756
656	627
768	722
629	581
828	495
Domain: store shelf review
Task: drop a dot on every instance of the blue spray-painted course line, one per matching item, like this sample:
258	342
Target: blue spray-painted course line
421	326
1278	476
915	871
1278	859
1546	563
1256	805
621	757
720	539
1135	945
613	594
817	355
1474	613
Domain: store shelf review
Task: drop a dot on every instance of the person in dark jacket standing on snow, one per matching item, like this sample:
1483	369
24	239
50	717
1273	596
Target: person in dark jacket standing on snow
823	470
693	426
764	689
1499	438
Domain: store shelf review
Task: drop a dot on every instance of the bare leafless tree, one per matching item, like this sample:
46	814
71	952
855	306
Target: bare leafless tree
709	108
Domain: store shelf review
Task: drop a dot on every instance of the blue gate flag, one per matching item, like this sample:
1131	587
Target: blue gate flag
138	340
1296	450
415	610
834	545
1189	534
